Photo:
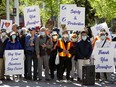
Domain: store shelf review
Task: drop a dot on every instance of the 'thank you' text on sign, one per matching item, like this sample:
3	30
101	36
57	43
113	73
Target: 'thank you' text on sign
104	60
32	16
14	62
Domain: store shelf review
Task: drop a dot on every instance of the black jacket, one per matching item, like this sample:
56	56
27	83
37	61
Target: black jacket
2	47
83	49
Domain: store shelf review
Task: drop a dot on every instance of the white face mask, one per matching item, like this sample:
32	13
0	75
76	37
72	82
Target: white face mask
55	37
3	34
42	33
19	31
84	38
14	37
74	39
65	35
103	37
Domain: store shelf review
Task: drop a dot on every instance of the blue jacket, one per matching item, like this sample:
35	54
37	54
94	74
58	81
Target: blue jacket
13	46
83	49
28	41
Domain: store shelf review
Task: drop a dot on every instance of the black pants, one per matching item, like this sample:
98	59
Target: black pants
52	66
31	56
65	64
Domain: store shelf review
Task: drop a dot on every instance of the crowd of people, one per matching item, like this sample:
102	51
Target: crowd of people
41	48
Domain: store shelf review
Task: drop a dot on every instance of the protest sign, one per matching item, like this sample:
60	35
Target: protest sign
32	16
14	62
113	45
96	29
104	61
6	24
63	13
75	18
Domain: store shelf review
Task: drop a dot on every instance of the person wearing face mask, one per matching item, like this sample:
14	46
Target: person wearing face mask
53	54
15	28
43	47
83	51
65	49
103	42
13	44
74	39
98	37
30	55
3	41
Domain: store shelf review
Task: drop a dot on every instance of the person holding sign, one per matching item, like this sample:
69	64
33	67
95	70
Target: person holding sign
83	51
13	43
98	37
103	42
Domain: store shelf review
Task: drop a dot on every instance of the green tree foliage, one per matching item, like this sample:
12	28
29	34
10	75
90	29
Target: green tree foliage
2	7
104	8
101	8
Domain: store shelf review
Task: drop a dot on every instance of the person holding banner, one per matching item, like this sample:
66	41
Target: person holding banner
13	44
43	47
30	55
83	51
98	37
3	41
103	42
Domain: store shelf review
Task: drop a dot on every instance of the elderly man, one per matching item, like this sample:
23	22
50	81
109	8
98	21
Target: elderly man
30	55
43	46
83	51
65	49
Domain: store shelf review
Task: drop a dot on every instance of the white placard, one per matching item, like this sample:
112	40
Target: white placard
96	29
14	62
32	16
75	18
63	8
113	45
6	24
104	60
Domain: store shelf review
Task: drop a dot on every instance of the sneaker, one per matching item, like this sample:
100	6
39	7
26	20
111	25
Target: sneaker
60	81
1	82
102	82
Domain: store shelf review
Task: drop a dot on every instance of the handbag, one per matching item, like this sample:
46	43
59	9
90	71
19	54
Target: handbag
57	60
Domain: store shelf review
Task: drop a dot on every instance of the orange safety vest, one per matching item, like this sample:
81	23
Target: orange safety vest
62	46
